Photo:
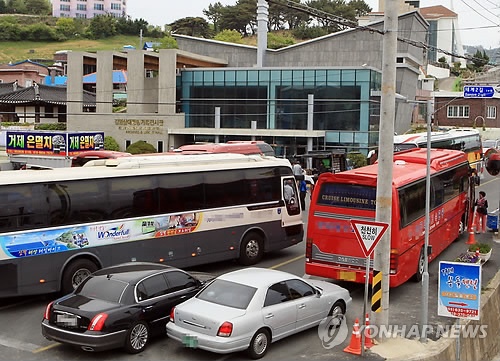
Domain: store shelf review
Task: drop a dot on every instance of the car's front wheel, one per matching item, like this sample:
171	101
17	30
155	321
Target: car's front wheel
137	337
259	344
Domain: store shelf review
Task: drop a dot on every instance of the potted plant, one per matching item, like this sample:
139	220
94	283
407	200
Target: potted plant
482	249
468	257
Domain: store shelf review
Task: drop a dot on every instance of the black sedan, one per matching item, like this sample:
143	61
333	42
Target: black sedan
120	306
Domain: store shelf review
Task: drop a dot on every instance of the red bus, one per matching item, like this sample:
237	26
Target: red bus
242	147
332	250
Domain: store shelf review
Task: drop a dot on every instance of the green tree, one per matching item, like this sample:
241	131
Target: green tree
480	60
214	14
16	7
169	42
140	147
229	36
3	7
66	27
101	26
40	32
335	7
191	26
38	7
111	144
360	7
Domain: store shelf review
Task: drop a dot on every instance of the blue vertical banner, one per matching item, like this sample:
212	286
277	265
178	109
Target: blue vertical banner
459	290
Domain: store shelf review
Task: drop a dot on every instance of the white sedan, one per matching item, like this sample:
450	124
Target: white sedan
250	308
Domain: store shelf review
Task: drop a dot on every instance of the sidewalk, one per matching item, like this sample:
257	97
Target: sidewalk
439	348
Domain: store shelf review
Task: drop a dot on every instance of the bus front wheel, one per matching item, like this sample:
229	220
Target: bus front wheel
252	249
75	273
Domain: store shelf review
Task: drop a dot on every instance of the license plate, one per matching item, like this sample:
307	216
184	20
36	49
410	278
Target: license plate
190	341
67	320
347	275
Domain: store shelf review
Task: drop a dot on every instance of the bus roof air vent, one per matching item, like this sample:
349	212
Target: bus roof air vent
400	162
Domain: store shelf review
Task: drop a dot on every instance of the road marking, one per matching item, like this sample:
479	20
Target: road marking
40	349
17	344
286	262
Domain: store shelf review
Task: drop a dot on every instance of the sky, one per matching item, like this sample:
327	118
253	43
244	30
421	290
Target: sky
478	20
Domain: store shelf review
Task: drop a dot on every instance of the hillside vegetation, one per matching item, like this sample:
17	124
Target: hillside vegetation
13	51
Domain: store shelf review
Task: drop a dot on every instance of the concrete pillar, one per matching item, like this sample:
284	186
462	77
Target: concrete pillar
262	20
135	82
104	82
217	123
310	126
74	88
167	81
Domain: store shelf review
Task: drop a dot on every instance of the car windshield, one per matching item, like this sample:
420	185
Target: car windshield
228	294
488	143
102	288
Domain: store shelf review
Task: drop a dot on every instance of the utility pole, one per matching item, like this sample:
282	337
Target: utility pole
386	155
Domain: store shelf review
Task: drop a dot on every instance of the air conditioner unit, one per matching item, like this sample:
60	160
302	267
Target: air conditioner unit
149	74
177	71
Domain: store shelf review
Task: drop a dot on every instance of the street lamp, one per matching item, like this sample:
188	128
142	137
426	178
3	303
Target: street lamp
425	273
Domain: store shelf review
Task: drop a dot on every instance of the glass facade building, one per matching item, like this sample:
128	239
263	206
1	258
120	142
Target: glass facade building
279	99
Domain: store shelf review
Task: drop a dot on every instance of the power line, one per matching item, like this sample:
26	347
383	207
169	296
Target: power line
477	12
342	21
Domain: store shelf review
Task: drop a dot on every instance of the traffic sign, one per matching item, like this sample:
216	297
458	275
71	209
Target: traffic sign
478	91
459	290
368	233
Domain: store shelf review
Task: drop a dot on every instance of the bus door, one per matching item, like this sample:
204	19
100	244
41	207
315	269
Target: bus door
291	197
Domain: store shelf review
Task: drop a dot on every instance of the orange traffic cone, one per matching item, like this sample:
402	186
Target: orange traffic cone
472	229
368	340
355	344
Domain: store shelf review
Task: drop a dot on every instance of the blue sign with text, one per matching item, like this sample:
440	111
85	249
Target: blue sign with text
459	290
478	91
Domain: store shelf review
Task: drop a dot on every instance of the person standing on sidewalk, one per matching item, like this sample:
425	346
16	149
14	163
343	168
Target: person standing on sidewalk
303	193
481	212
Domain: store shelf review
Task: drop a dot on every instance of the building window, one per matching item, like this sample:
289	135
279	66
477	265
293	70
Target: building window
64	7
116	6
98	6
458	111
82	16
81	7
491	112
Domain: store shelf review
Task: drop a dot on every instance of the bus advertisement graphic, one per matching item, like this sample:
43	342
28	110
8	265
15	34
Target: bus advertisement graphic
34	243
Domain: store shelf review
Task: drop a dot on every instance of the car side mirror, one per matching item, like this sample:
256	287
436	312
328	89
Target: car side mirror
319	292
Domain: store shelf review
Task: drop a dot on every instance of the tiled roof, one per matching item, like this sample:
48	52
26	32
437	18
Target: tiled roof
28	61
437	12
46	94
7	88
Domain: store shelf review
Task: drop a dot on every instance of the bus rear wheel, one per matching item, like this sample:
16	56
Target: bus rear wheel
251	250
75	273
420	267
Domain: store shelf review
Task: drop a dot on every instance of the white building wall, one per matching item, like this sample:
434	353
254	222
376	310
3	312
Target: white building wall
114	7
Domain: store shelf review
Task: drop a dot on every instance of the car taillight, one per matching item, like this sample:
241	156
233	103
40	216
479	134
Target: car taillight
172	314
225	329
97	322
46	315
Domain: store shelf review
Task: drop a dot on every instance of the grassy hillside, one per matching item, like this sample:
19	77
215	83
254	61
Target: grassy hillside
22	50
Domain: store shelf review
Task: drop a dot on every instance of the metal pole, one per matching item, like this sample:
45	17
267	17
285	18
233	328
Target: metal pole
425	274
365	303
383	209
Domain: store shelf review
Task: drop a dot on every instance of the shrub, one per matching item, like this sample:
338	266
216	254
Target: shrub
140	147
111	144
357	159
482	247
276	41
50	126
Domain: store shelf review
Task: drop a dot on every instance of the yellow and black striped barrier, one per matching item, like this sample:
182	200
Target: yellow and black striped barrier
377	291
